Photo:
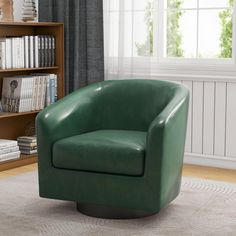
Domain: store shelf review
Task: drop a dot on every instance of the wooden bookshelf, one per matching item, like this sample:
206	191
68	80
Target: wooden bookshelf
13	125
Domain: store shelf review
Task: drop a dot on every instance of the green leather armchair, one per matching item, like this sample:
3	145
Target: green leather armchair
114	147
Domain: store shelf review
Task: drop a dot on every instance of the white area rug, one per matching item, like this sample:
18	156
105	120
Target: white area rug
202	208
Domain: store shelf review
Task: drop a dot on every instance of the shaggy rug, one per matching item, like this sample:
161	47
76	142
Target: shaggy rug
203	208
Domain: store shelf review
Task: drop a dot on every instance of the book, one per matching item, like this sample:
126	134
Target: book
9	150
2	53
23	144
46	51
55	95
26	51
26	148
8	53
22	53
13	94
42	54
6	143
39	50
31	51
35	90
36	51
27	139
11	91
49	50
53	40
52	89
10	156
27	152
47	100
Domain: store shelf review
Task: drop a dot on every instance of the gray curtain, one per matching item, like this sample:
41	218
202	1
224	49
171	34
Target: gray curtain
84	56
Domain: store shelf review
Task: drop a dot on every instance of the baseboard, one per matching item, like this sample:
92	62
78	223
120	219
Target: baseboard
210	161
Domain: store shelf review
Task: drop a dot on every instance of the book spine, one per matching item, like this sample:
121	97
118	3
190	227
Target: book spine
39	89
8	53
56	87
49	51
53	50
36	50
39	51
43	95
27	145
26	152
14	59
22	96
31	51
26	51
48	91
22	52
3	54
35	88
46	50
42	51
52	89
18	53
28	94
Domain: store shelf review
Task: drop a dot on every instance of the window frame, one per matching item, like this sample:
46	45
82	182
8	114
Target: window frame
189	63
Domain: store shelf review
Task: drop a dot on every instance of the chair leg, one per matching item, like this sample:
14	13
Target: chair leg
105	212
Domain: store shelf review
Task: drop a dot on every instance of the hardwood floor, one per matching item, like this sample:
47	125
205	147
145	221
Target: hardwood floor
18	171
188	170
210	173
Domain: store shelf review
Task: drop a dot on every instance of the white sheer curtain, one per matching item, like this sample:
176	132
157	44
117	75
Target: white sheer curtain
128	37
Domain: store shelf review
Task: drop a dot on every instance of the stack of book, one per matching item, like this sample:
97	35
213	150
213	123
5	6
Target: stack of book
27	144
9	150
28	93
29	51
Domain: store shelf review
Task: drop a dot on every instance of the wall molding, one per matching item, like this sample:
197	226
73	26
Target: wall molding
210	161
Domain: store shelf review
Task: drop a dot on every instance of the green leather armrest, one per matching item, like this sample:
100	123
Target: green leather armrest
165	147
72	115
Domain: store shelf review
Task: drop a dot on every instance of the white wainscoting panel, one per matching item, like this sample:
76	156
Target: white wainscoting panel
208	117
211	129
220	122
197	119
231	120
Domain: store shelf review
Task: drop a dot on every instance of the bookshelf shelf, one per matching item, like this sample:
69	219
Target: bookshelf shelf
29	69
22	161
13	125
4	115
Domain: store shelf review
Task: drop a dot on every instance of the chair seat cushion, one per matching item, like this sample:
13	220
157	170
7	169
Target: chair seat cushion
106	151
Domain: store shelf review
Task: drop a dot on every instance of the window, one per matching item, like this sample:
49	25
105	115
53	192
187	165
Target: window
147	36
197	29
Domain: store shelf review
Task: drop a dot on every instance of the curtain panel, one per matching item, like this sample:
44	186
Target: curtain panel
129	35
84	51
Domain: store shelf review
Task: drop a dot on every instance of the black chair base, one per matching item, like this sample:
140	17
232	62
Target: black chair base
105	212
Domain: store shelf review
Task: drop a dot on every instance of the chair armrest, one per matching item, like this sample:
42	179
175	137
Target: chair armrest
165	147
72	115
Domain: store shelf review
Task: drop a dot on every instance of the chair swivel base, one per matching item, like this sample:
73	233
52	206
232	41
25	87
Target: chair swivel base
104	212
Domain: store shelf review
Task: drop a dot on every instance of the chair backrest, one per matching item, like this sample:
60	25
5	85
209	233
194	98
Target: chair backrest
133	104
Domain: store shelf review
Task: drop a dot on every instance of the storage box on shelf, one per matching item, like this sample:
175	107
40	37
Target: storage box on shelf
13	125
